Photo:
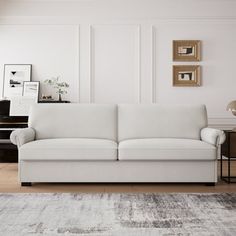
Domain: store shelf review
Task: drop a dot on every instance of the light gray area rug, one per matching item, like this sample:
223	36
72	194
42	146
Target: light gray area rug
118	214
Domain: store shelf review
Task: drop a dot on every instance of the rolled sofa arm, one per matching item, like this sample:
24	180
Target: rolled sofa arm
22	136
213	136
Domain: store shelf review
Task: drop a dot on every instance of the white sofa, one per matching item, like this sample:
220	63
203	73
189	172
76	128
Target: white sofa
117	143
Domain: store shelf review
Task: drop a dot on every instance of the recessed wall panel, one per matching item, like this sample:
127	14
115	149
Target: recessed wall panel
115	64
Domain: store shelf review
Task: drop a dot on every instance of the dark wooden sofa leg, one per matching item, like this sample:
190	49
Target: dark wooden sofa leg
26	184
211	184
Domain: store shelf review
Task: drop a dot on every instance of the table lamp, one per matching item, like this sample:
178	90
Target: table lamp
232	107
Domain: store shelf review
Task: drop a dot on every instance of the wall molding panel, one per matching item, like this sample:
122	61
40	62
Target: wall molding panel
138	76
153	67
75	20
91	57
222	123
136	58
77	73
53	50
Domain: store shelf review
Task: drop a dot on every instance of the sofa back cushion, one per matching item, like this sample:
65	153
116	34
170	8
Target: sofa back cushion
161	121
74	121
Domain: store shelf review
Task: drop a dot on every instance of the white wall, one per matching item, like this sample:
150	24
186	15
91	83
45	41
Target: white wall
120	51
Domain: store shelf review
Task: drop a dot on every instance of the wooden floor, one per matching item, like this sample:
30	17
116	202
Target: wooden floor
9	183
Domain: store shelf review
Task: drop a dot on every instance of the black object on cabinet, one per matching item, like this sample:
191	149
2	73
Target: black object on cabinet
8	151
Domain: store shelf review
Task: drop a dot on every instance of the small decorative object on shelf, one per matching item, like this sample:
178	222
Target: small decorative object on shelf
228	151
49	99
46	98
61	87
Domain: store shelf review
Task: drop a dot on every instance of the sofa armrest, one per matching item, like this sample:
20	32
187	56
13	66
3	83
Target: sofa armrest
22	136
213	136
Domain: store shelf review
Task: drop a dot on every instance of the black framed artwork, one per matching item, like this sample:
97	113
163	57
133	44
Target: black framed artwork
14	77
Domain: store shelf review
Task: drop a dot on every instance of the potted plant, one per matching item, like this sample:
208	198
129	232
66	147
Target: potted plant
61	87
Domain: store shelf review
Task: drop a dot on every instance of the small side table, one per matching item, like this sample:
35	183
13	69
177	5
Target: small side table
228	150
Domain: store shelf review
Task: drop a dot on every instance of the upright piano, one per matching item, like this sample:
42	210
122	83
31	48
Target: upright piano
8	151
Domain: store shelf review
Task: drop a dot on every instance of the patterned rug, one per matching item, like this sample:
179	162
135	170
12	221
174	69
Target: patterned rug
118	214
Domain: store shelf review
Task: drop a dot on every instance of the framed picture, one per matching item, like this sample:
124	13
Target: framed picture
186	50
31	89
14	76
186	76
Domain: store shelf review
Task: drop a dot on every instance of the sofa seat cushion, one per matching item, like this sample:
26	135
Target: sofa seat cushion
166	149
69	149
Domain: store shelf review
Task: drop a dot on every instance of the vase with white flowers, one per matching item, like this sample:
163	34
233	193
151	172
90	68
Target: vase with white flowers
61	87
